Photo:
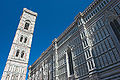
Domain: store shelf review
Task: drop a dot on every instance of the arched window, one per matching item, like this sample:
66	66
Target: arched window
116	28
70	61
21	38
117	25
17	53
26	25
112	25
25	40
22	54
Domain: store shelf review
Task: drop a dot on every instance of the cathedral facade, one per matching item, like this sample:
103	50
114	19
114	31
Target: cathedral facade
89	49
17	62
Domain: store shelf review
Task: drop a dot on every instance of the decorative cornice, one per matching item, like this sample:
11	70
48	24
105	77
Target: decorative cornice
78	15
90	7
30	12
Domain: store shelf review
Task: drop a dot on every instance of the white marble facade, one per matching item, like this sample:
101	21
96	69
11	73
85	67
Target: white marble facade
89	49
17	62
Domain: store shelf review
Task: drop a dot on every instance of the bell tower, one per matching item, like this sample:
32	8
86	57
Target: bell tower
17	62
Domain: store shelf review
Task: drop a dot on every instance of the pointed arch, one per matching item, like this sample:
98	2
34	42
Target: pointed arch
28	21
109	16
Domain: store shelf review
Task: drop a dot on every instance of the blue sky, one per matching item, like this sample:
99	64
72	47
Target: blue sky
54	16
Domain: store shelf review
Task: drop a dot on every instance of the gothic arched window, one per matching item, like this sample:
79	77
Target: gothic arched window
21	38
116	28
22	54
25	40
117	25
17	53
70	61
